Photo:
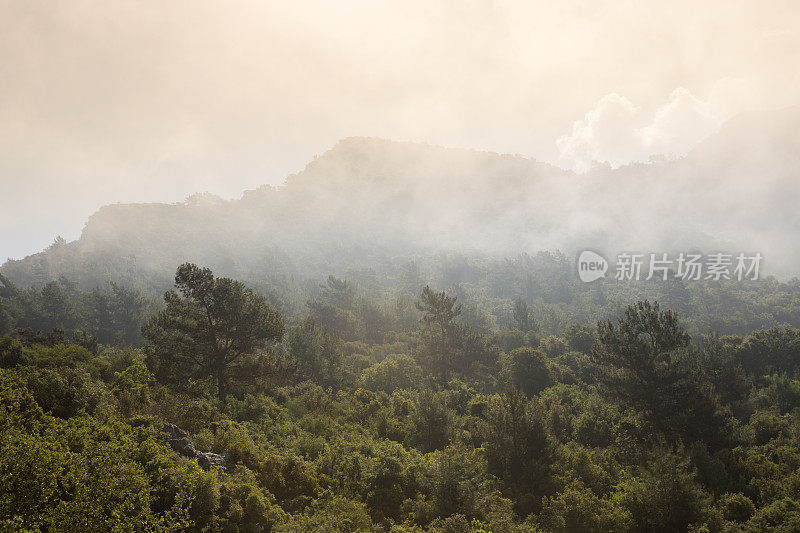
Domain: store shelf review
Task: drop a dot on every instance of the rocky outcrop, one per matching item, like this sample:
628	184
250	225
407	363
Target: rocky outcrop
179	441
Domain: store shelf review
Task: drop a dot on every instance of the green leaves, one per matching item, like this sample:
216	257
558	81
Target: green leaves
438	330
210	328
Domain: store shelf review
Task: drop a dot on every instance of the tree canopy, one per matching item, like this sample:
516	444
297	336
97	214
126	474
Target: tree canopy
209	325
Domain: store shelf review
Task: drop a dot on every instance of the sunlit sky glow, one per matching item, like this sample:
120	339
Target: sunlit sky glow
103	102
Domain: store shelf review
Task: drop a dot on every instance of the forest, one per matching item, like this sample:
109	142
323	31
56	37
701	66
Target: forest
468	395
399	266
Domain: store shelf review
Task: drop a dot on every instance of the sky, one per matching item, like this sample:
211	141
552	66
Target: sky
104	102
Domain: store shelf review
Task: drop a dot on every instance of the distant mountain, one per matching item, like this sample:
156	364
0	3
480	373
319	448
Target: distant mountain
366	203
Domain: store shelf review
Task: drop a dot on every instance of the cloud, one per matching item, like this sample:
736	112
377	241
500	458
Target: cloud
680	124
617	133
606	133
137	101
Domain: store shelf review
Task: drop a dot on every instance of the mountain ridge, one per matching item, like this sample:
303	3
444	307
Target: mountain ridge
386	198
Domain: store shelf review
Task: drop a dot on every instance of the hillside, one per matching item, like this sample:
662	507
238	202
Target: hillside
367	201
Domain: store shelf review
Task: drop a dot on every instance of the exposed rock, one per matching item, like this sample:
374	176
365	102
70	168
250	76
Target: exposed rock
179	441
212	460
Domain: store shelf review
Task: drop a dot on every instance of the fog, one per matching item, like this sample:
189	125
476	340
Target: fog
133	102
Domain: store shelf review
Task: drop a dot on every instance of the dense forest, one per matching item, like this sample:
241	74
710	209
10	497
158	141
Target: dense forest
399	266
370	347
513	398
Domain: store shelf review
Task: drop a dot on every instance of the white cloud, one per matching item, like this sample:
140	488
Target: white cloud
606	133
615	132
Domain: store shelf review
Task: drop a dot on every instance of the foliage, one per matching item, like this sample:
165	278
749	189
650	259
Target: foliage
211	326
361	418
439	330
397	371
528	370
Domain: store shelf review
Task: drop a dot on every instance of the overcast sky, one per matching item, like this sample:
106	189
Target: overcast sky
104	102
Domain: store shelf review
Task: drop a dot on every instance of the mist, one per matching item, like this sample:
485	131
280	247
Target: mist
318	266
130	103
373	205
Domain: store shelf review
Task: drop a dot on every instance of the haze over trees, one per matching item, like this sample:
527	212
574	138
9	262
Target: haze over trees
378	346
366	202
437	423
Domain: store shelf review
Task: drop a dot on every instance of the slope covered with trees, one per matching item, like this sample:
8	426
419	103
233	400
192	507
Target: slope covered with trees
372	204
425	420
382	344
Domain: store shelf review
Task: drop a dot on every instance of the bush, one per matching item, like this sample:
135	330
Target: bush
397	371
780	515
577	509
528	370
736	508
430	422
11	353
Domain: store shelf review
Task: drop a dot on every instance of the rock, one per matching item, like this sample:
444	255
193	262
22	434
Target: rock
179	441
212	460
